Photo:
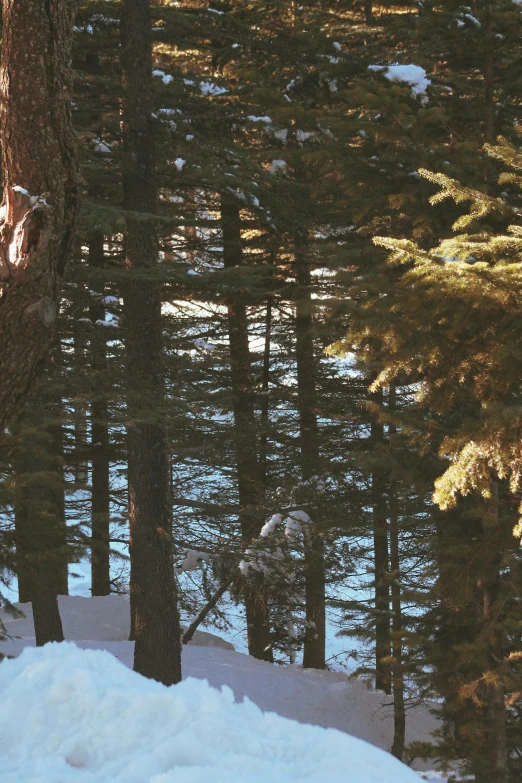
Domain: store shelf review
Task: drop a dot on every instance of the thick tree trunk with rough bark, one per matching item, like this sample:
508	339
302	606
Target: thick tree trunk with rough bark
46	616
250	488
40	525
155	621
100	507
41	182
315	577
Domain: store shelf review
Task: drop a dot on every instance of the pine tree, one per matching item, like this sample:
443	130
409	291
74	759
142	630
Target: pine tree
154	611
41	183
449	325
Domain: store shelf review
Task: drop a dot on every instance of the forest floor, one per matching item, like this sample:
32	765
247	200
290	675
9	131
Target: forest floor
327	699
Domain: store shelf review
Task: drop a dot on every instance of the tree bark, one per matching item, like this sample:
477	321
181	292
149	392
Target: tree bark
399	712
100	508
263	444
41	183
46	616
495	690
250	488
315	578
381	565
490	106
156	630
80	463
40	525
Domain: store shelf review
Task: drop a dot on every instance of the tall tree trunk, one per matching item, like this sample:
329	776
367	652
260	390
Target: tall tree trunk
315	579
40	179
381	563
490	106
368	12
157	649
494	690
250	488
399	712
100	509
80	463
40	526
46	615
263	445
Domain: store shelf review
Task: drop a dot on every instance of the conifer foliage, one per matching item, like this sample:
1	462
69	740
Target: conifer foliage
282	393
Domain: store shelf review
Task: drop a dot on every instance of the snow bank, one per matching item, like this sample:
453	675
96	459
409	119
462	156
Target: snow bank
323	698
79	715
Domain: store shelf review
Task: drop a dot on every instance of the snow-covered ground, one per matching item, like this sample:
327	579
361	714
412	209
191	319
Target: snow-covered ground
324	699
78	715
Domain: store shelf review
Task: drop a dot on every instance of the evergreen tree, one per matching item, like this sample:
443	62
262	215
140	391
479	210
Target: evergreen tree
41	184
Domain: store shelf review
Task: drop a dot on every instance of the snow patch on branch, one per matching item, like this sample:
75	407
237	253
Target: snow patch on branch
413	75
194	560
199	342
277	165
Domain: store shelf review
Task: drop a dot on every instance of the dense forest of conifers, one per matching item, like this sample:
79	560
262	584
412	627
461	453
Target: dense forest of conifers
286	369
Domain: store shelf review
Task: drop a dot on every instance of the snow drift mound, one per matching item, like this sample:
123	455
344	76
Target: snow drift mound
79	715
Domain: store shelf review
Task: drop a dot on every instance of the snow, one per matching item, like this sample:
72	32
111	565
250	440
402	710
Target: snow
193	272
294	522
199	342
108	300
277	165
19	189
264	119
179	163
189	137
209	88
271	525
166	77
323	698
113	323
194	559
100	146
413	75
237	193
110	724
169	112
84	28
472	19
281	134
95	619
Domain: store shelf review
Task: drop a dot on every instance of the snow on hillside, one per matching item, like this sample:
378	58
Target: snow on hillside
325	699
100	618
79	715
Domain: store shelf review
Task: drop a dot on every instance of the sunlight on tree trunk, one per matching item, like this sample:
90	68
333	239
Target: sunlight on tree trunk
40	177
